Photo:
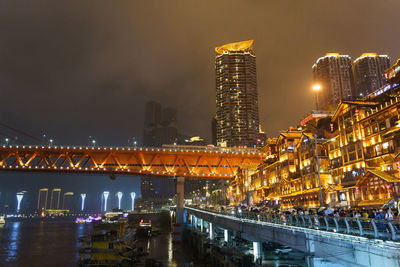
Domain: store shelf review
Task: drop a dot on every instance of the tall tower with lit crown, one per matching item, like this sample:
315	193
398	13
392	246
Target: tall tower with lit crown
237	97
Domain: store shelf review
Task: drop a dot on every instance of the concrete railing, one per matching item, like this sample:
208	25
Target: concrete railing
370	228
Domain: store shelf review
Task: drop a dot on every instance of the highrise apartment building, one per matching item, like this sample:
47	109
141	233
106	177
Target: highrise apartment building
333	72
160	127
42	199
55	199
369	73
236	99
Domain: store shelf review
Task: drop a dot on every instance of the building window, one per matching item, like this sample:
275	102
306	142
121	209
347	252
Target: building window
393	121
382	126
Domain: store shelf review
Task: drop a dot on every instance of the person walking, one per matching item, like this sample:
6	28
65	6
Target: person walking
389	215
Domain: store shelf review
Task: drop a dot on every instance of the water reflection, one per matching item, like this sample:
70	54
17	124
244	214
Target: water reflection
37	243
13	238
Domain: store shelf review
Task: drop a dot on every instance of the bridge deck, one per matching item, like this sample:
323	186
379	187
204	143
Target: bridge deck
212	163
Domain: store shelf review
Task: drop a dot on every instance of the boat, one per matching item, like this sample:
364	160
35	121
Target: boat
2	220
144	229
111	244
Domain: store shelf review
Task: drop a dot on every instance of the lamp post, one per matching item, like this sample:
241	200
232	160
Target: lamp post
105	195
119	195
83	196
319	176
133	195
19	199
316	88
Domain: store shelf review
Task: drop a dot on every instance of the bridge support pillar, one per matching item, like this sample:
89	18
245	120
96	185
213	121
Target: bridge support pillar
192	219
226	236
257	250
201	225
211	232
180	198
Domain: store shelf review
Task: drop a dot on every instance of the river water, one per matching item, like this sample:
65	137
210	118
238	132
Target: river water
55	243
40	243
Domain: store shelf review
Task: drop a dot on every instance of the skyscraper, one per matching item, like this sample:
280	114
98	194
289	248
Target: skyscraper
147	187
68	202
42	199
152	121
236	89
160	127
334	73
55	199
369	72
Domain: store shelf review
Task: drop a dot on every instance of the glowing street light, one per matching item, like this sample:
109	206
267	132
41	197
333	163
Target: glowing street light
119	195
51	141
83	196
94	142
7	140
19	198
105	195
316	88
133	195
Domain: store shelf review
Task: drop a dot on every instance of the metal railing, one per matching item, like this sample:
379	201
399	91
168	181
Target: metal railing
370	228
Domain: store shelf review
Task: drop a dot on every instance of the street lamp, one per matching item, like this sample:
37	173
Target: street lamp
316	88
133	195
94	142
83	196
7	140
119	195
105	195
134	142
319	176
19	198
51	141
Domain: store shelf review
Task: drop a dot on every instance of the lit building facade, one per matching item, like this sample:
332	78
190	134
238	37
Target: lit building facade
42	199
236	94
55	199
358	157
369	73
334	73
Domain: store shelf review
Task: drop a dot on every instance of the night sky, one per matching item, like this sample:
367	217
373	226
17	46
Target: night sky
75	69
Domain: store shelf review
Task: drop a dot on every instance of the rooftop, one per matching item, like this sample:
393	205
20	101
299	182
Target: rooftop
235	47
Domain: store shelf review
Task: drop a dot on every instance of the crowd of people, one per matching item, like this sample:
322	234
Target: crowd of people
381	214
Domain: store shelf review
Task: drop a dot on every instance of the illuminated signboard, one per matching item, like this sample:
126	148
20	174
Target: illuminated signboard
383	89
393	70
313	116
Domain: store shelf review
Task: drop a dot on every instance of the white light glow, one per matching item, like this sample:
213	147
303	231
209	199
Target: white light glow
105	195
83	196
119	195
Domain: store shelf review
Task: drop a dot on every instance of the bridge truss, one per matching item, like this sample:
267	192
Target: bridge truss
190	163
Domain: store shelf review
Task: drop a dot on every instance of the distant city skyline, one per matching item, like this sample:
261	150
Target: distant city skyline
29	184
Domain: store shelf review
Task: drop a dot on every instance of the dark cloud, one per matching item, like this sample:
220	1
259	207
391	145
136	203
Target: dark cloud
89	67
77	68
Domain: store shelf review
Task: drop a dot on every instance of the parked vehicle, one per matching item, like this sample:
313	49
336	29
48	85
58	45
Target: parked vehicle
283	250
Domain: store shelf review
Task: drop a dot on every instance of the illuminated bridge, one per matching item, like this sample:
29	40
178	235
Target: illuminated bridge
346	241
182	161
